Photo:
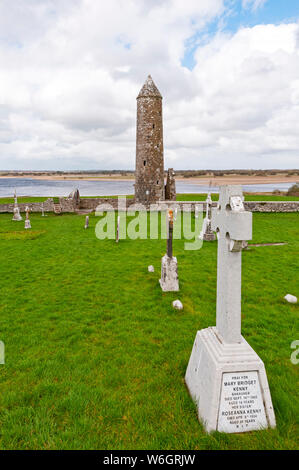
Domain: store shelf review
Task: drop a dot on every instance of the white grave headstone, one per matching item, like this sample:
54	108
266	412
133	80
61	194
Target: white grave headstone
208	234
86	222
16	211
225	377
169	281
27	220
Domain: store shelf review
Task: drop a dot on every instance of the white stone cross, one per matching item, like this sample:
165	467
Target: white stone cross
233	226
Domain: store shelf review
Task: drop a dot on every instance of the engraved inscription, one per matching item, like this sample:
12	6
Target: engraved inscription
241	404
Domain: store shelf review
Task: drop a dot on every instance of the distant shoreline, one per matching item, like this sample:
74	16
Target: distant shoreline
204	180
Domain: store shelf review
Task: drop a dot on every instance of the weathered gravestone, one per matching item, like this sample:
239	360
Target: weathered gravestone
225	377
169	266
16	211
27	221
117	229
86	222
208	234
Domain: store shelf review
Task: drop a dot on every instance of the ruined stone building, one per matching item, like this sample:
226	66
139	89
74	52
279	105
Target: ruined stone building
149	174
170	191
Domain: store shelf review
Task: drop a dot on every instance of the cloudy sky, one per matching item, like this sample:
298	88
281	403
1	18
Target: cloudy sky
70	71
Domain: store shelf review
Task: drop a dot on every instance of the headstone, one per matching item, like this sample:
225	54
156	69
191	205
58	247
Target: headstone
16	211
208	234
117	229
27	220
225	377
151	269
43	212
86	222
169	266
16	214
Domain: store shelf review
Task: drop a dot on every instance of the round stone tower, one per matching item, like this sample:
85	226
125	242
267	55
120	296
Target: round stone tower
149	174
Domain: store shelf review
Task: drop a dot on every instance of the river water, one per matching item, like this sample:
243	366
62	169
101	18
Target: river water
46	188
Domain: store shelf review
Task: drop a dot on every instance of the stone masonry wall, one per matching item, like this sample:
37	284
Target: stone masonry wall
149	173
93	203
170	190
272	206
67	205
33	206
255	206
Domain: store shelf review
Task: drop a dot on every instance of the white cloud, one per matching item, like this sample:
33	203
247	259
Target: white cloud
253	4
70	73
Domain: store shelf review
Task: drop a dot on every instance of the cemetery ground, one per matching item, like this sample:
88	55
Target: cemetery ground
95	354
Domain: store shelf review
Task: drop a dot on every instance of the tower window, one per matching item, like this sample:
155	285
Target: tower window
144	162
157	181
153	126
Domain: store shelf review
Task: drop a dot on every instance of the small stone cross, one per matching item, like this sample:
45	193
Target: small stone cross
233	226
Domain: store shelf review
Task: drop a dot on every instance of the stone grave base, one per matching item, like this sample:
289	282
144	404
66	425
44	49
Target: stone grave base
169	274
229	385
209	237
16	214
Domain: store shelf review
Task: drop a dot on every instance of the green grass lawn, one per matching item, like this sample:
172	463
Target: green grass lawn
95	353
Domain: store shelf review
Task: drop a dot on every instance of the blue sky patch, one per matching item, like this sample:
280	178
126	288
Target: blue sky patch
236	16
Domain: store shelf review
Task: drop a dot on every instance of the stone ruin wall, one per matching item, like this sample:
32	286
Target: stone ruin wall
33	206
67	205
170	189
91	204
272	206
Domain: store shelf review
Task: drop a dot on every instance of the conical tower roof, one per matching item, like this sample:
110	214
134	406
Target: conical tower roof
149	89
